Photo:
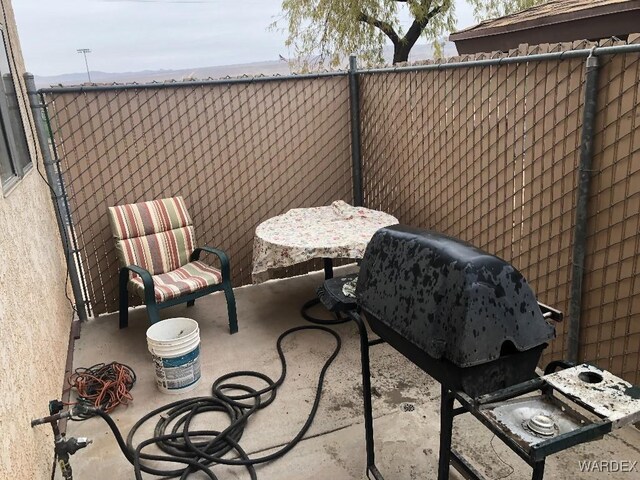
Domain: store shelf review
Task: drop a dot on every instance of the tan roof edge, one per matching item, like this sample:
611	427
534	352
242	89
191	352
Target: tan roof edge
480	31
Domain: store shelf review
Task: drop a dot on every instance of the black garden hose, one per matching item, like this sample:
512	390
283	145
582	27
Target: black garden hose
199	449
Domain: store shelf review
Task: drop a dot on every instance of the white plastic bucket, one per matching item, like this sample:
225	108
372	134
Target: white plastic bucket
175	346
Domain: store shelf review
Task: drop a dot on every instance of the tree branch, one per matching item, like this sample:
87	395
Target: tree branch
384	27
417	27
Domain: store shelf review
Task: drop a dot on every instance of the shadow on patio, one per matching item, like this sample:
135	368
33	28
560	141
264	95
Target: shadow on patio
406	401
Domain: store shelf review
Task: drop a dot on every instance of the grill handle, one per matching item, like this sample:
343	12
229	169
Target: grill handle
550	313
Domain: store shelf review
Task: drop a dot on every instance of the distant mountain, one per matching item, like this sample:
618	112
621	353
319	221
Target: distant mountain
148	76
274	67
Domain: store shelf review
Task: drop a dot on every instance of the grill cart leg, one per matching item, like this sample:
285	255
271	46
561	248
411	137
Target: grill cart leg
538	470
450	457
446	431
372	471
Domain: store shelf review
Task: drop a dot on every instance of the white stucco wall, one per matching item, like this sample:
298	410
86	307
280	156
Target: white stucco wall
35	316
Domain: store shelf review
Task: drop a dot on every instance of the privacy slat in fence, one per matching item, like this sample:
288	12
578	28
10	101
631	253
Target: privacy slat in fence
237	153
611	307
549	183
496	165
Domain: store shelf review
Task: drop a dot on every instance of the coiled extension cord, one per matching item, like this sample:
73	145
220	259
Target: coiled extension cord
199	449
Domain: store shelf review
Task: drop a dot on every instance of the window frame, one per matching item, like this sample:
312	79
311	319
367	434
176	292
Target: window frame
19	167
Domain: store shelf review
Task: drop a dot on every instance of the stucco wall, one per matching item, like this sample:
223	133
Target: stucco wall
35	315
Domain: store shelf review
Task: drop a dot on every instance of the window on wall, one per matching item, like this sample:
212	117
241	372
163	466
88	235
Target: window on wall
15	159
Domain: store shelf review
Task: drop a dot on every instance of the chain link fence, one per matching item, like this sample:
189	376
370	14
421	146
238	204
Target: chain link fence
485	154
610	335
238	152
488	154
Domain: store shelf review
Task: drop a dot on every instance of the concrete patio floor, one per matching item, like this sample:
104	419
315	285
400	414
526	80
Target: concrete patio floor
406	401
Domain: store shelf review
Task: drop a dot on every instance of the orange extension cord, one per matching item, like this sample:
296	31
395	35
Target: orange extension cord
104	386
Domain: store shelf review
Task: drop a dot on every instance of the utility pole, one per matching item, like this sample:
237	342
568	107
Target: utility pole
84	52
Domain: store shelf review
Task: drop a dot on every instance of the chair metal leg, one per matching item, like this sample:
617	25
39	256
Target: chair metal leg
153	312
191	303
231	307
124	299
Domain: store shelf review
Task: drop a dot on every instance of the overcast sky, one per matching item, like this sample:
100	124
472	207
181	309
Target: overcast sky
133	35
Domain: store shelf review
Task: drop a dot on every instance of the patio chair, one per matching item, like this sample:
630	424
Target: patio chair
159	263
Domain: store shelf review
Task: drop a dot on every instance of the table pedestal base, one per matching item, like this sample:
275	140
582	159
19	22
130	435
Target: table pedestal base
328	273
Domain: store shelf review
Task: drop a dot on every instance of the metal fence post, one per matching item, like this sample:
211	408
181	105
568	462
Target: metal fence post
57	194
582	200
356	157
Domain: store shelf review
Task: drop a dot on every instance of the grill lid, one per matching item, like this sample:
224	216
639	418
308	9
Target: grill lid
448	298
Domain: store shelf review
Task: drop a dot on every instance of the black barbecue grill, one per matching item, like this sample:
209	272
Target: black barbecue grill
467	318
470	320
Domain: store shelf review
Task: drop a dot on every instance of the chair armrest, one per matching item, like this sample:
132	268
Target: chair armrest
224	259
147	281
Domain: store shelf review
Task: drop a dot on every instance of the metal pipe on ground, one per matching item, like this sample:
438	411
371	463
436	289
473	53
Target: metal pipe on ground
582	200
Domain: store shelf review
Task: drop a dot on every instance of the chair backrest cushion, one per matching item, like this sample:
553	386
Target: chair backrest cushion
157	236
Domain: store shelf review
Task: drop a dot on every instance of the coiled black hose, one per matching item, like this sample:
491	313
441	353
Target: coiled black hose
199	449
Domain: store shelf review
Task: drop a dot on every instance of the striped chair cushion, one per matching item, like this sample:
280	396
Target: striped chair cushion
158	253
189	278
145	218
157	236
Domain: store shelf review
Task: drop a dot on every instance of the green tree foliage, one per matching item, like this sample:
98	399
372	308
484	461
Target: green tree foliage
328	30
332	29
484	9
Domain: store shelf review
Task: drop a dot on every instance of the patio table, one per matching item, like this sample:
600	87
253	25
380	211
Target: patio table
335	231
